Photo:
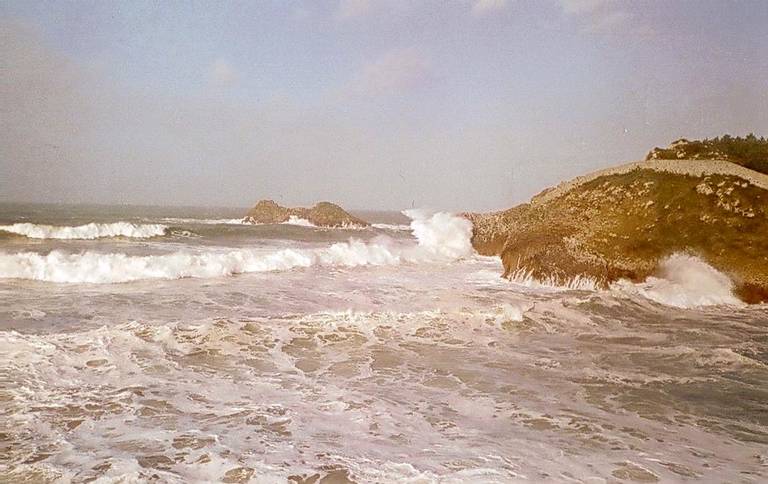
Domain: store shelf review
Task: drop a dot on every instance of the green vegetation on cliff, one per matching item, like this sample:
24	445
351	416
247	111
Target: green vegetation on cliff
621	225
750	151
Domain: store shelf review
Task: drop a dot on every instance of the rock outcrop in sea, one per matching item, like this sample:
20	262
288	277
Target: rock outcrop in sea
323	214
621	222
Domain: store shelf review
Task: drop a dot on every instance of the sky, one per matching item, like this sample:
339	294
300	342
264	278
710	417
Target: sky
373	104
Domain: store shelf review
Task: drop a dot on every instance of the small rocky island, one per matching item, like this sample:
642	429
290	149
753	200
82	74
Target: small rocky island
621	222
323	214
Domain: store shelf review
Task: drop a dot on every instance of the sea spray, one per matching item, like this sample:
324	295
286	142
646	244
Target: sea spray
681	281
302	222
684	281
442	233
525	277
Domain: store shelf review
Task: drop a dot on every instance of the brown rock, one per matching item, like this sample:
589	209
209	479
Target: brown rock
621	225
323	214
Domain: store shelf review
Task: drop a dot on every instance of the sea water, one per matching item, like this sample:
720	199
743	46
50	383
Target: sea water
147	344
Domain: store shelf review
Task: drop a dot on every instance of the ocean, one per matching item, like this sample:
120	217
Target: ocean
149	344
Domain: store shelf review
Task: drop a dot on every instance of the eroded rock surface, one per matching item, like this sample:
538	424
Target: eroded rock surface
621	224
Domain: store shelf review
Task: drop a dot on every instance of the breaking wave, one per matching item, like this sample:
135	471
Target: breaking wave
393	227
684	281
681	281
86	232
525	277
442	233
441	237
294	220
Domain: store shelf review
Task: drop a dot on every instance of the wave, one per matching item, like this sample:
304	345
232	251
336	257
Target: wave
294	220
524	277
684	281
442	233
205	221
86	232
441	237
393	227
681	281
302	222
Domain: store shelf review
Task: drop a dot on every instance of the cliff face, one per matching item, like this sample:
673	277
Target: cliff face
621	224
323	214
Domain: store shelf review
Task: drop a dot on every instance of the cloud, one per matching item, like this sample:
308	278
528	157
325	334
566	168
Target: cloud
481	8
348	9
72	133
222	74
396	71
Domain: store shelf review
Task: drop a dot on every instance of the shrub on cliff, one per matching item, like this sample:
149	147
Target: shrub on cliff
749	151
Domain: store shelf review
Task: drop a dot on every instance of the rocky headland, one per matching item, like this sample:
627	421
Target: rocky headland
323	214
621	222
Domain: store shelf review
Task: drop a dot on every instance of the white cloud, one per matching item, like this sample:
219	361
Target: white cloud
481	8
222	74
348	9
396	71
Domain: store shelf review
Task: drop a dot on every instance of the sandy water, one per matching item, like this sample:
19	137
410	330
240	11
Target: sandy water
425	367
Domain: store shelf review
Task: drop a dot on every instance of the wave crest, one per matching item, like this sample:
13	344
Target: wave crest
442	233
440	238
684	281
86	232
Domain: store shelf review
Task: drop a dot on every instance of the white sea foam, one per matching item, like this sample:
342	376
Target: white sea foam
514	311
524	277
302	222
441	237
87	231
392	227
684	281
294	220
442	233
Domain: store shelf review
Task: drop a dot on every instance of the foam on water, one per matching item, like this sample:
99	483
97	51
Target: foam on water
681	281
86	232
442	233
392	359
393	227
518	391
441	237
524	277
294	220
685	281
